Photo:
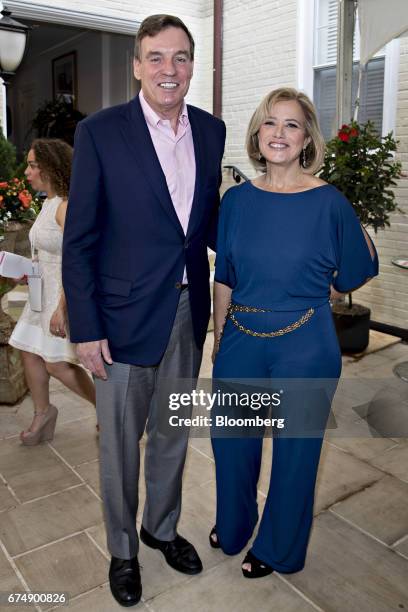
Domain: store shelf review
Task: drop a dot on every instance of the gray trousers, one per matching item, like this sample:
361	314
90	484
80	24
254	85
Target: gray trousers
127	404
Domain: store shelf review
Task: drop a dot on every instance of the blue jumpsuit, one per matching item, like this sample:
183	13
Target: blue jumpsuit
281	252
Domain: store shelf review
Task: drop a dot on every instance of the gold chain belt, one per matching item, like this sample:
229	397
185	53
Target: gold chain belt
279	332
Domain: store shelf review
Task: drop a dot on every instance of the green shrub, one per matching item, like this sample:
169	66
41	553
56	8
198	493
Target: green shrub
7	158
361	164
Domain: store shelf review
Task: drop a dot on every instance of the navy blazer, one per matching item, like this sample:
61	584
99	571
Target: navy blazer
124	249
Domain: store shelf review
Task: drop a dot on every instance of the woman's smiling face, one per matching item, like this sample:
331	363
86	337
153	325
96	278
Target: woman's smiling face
282	136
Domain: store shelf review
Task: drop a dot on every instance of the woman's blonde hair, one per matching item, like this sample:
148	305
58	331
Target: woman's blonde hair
314	152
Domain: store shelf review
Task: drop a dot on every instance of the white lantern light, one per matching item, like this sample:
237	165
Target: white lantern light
13	39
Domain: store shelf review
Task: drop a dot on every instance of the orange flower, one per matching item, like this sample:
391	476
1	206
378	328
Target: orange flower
25	198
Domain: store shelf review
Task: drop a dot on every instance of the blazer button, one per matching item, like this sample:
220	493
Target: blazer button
178	285
186	245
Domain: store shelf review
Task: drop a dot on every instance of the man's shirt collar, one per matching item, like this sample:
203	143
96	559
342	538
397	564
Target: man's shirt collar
154	119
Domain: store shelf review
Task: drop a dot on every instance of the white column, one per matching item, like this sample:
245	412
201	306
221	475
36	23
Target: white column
304	46
3	108
392	56
3	98
344	62
106	68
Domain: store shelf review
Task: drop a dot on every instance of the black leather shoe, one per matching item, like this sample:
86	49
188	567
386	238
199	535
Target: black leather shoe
179	554
124	580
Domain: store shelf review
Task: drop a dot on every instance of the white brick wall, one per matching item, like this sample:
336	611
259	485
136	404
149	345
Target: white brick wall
207	8
200	93
387	295
259	55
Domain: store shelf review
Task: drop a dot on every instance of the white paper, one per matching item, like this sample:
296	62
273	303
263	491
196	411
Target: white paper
15	266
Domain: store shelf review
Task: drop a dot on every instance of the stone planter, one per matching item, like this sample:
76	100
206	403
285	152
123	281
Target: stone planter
12	380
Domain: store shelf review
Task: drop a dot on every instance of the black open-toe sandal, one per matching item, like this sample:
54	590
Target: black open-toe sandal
213	543
258	568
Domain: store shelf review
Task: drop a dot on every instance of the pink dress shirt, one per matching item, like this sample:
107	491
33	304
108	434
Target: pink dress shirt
176	157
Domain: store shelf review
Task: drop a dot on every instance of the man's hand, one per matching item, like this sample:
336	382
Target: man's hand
93	354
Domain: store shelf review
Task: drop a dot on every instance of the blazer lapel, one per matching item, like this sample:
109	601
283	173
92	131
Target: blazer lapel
196	209
137	135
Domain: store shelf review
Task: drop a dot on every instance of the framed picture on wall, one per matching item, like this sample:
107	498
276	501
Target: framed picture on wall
64	78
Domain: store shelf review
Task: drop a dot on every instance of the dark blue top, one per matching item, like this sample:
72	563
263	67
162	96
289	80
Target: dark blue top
284	250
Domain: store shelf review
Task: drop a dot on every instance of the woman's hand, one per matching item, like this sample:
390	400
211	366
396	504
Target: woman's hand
335	296
58	323
222	299
215	348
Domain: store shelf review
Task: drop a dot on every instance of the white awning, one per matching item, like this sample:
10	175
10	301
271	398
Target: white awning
380	22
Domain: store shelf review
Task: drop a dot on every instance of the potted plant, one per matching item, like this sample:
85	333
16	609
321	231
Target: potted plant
56	119
361	164
18	205
18	208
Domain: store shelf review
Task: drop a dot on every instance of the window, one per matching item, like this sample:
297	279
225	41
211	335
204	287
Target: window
325	58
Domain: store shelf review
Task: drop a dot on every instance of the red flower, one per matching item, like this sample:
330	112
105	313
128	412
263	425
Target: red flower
3	185
16	180
25	198
346	132
344	136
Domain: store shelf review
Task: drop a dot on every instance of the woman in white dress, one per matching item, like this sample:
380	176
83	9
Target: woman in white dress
42	336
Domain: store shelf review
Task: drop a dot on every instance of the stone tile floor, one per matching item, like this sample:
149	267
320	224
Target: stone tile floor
52	534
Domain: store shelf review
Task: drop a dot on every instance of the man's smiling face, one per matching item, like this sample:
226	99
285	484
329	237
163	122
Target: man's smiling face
165	69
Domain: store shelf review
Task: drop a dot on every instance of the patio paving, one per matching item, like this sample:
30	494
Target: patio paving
52	535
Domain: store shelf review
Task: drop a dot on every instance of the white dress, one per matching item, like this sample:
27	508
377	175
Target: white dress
32	332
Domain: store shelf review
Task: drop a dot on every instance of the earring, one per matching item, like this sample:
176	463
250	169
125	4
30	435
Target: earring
261	157
303	162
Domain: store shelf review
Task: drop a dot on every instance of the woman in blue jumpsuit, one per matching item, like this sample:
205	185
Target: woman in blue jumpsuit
284	239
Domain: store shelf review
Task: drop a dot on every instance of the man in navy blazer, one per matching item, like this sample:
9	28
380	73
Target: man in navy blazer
142	209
